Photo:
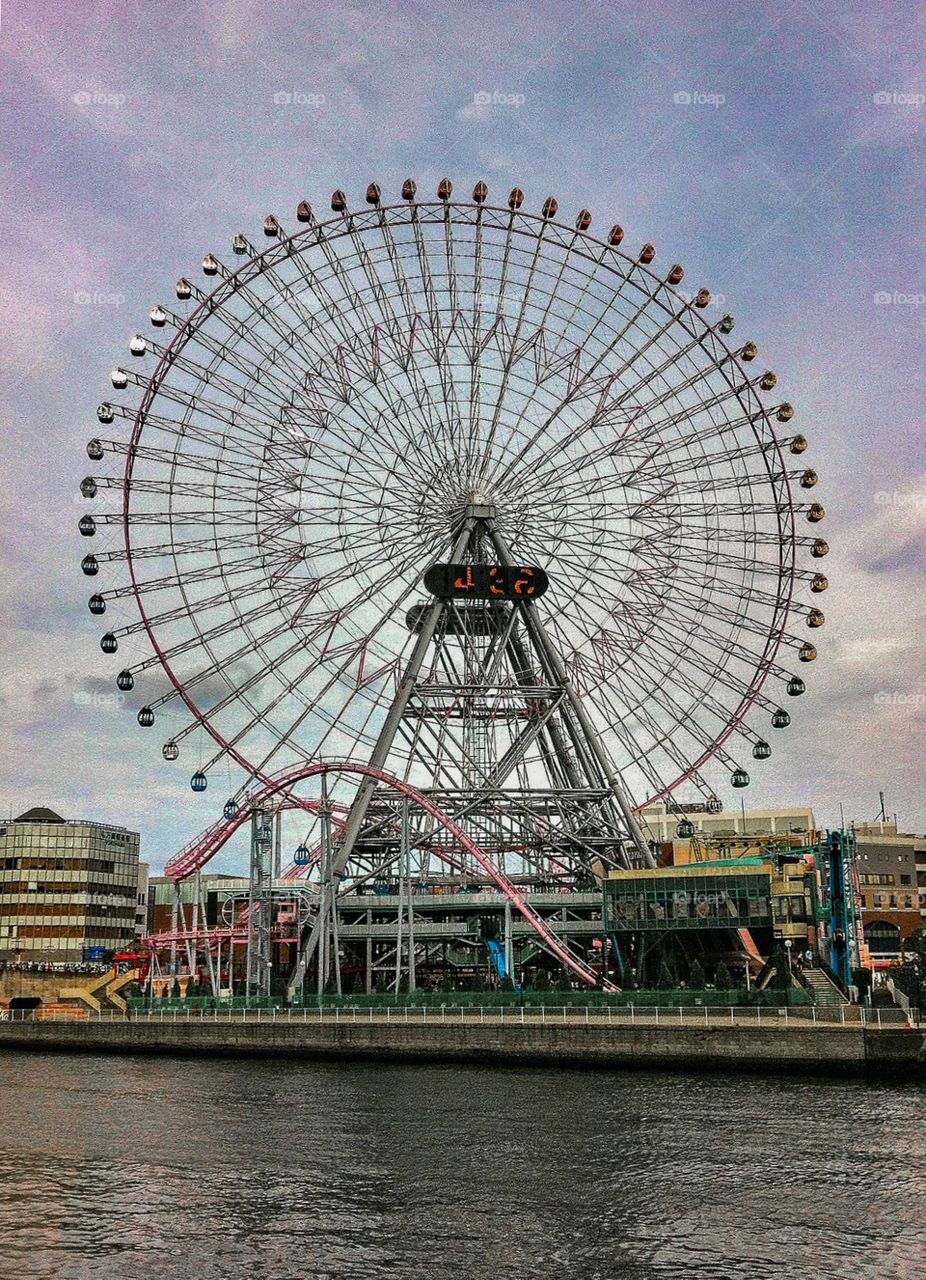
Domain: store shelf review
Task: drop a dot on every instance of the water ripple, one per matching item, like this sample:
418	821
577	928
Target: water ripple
113	1169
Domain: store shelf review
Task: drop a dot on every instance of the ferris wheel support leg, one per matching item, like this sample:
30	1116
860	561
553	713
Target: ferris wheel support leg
174	909
378	758
542	642
191	948
210	968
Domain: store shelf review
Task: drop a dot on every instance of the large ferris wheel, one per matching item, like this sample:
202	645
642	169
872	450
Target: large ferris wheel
468	494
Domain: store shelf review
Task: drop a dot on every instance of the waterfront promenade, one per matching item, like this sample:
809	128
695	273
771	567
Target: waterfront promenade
739	1040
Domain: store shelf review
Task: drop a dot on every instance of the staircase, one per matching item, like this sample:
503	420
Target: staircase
102	992
826	995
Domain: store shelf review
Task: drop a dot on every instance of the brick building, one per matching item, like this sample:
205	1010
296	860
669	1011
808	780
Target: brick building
892	885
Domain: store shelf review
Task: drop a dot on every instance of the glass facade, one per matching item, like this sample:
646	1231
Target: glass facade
66	889
688	898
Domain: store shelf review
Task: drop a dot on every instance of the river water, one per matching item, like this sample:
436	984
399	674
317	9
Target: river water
155	1169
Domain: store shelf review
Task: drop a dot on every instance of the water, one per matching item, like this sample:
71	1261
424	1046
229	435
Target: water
131	1168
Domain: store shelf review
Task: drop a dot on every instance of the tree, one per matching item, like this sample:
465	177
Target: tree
908	978
696	976
506	984
379	985
357	985
723	979
914	949
446	981
542	980
665	980
563	981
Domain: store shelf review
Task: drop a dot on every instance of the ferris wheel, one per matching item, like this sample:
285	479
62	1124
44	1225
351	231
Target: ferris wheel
304	433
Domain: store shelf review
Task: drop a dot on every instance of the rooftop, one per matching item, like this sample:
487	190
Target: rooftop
38	814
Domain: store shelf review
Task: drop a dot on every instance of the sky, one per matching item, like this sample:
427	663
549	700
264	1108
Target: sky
775	149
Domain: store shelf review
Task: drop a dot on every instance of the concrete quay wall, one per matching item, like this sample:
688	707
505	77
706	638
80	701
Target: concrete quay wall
842	1050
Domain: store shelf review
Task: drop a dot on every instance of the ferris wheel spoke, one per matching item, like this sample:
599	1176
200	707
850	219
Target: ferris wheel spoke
681	717
221	351
370	327
245	425
449	398
703	700
179	464
584	380
411	318
676	659
170	582
178	612
619	413
721	648
211	375
513	348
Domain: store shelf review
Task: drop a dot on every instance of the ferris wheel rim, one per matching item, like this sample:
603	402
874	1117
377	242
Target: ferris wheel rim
341	226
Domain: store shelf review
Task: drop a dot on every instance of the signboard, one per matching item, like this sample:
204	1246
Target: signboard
486	581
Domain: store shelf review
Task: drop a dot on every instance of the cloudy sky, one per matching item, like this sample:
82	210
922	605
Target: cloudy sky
775	149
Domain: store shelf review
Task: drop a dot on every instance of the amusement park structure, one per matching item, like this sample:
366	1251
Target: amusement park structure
448	537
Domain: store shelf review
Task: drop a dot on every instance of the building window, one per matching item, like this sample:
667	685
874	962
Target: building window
882	937
904	879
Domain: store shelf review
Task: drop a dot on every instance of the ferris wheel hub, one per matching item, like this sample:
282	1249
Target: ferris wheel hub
479	506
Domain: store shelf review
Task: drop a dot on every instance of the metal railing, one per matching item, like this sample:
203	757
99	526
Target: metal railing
804	1017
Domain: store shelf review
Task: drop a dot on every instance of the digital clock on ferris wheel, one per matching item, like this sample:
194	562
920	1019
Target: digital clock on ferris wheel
485	581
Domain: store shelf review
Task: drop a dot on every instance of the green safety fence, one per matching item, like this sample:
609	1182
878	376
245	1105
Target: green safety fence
710	999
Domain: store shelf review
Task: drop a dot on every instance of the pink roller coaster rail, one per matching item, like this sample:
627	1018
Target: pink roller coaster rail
196	854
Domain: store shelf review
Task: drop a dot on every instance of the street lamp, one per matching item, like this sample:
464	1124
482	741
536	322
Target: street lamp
788	945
